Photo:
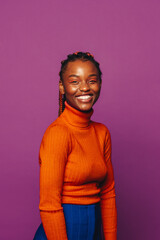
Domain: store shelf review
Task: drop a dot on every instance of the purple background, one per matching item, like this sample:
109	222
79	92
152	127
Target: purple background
124	36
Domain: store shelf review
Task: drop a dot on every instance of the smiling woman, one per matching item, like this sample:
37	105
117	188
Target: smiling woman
77	193
81	84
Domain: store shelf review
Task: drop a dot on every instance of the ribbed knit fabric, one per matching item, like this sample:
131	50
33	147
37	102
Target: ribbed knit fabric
75	167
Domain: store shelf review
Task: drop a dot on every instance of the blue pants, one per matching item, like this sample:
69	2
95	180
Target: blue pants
83	222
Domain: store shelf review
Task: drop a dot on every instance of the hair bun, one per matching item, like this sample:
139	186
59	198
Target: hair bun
89	54
81	53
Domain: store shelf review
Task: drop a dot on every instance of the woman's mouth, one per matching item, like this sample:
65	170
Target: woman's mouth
84	98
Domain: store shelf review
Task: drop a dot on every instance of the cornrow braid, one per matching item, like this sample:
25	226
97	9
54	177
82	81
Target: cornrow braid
61	103
83	56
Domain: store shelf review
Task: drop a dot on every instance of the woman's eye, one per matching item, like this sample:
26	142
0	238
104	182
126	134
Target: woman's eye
92	81
74	82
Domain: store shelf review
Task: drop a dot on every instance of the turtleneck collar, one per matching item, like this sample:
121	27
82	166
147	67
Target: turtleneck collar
75	117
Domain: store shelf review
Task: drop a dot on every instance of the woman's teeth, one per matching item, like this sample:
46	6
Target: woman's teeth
84	97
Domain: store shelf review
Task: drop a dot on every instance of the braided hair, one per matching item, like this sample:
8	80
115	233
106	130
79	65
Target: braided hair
83	56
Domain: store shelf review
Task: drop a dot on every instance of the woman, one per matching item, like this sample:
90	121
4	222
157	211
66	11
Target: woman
77	193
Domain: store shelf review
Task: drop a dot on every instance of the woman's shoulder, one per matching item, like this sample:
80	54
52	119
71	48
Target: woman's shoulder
102	131
56	128
100	126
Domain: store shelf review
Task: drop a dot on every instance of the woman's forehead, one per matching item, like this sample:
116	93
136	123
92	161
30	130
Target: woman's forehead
80	66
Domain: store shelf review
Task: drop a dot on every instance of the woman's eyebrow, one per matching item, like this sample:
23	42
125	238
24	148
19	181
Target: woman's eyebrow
73	75
93	75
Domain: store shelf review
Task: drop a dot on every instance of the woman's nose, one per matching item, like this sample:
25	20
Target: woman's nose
84	86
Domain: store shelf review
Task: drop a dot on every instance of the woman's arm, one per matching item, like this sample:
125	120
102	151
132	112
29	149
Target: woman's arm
108	203
53	156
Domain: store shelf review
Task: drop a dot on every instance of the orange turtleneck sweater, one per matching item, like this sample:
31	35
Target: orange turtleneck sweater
76	168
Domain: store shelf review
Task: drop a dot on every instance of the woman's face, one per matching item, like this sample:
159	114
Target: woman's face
81	85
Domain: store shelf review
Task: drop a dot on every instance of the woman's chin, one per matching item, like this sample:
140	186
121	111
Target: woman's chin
81	106
85	107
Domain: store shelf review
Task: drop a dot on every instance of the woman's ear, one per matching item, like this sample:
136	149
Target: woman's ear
61	87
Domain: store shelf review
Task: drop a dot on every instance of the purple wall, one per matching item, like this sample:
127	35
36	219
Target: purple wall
124	37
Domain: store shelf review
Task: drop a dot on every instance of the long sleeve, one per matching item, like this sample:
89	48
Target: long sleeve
107	194
54	151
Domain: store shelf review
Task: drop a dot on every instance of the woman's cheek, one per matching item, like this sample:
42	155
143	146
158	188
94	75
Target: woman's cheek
72	89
